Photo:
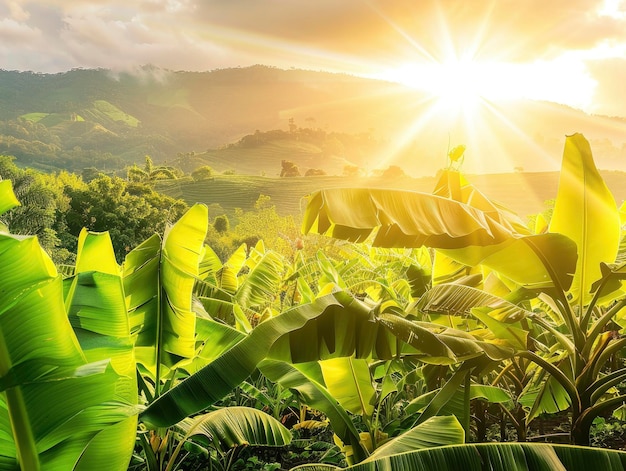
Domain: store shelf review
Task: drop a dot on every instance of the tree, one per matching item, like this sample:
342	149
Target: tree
39	200
569	277
221	224
131	212
352	171
202	173
312	172
289	169
150	172
393	171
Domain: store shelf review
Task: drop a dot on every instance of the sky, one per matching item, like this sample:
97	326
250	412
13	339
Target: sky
568	51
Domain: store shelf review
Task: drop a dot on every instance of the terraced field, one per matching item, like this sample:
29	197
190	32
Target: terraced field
524	193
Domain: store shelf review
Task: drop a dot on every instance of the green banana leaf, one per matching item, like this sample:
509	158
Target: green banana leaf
455	402
349	381
209	266
348	332
452	184
586	212
495	457
436	344
459	300
158	282
462	232
434	432
227	291
235	426
261	284
302	379
220	376
97	311
533	261
499	316
57	404
400	219
7	196
227	274
214	338
95	253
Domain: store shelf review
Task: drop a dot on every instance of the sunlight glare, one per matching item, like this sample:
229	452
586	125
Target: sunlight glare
464	83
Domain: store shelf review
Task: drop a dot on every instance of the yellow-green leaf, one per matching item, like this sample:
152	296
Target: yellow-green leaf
349	381
586	212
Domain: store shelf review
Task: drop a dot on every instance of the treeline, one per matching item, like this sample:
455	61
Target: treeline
56	206
357	146
75	146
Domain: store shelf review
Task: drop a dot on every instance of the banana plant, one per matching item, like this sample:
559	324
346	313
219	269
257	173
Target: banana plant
221	434
562	269
158	277
242	291
492	456
64	402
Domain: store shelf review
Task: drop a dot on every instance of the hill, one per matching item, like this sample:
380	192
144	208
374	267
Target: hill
523	193
85	118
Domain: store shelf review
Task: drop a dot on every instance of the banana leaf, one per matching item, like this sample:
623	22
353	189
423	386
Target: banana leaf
495	457
453	184
353	331
261	284
455	403
97	311
350	382
436	344
586	212
398	218
158	282
302	379
7	197
459	300
434	432
57	404
219	377
236	426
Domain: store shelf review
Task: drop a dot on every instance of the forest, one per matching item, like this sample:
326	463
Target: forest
383	329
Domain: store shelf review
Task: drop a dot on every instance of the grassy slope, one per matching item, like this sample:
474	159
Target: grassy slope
524	193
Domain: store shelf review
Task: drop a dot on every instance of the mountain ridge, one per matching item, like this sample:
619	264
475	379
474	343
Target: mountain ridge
166	113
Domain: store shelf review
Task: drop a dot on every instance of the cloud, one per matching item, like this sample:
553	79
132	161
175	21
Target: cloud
379	28
610	94
229	32
355	36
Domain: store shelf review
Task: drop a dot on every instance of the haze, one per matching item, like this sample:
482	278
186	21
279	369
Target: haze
571	52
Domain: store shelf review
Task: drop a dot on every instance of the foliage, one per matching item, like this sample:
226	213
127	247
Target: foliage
261	222
221	224
66	403
130	213
150	172
202	173
391	350
570	335
500	456
289	169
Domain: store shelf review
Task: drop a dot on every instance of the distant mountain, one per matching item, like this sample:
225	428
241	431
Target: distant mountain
97	118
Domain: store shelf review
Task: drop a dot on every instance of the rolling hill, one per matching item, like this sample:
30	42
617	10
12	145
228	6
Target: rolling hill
523	193
97	118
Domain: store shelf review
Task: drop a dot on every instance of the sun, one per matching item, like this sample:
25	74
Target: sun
464	84
457	84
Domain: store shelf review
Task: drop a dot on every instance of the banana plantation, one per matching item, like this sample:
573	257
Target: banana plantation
432	331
